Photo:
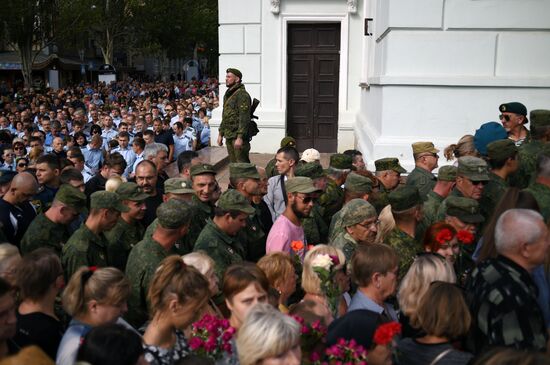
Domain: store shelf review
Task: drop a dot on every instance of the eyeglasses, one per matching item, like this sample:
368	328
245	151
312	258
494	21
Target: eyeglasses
9	154
479	182
305	200
370	225
22	165
18	148
505	117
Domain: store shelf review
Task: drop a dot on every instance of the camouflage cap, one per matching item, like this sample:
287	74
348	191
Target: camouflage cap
423	147
465	209
404	197
72	197
447	173
202	168
235	72
341	161
356	211
358	184
313	170
243	170
540	118
300	184
502	149
390	163
177	185
6	176
107	200
473	168
233	200
173	214
513	107
288	141
311	155
131	191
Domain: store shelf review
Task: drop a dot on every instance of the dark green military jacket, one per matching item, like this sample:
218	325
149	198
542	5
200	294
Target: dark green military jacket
527	169
331	200
406	246
143	261
336	226
492	192
541	193
423	180
120	241
443	206
430	209
315	228
346	243
379	199
270	169
254	236
84	248
236	113
42	232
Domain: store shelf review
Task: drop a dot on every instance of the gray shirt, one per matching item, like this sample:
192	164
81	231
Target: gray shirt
411	352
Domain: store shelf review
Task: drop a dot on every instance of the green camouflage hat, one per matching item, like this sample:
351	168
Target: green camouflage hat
513	107
341	161
300	184
288	141
202	168
107	200
404	197
243	170
233	200
131	191
423	147
502	149
465	209
357	211
235	72
390	163
539	118
356	183
313	170
447	173
72	197
177	185
473	168
174	214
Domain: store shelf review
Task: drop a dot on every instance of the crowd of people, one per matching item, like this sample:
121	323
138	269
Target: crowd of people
109	260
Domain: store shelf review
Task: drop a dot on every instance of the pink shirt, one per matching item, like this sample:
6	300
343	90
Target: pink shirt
281	235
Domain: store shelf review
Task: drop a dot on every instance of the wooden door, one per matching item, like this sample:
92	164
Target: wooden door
313	77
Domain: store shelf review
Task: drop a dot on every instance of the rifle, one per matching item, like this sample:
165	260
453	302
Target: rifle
253	126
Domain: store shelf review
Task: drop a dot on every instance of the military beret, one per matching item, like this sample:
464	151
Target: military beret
235	72
288	141
233	200
540	118
313	170
341	161
202	168
6	176
72	197
423	147
107	200
404	197
487	133
131	191
243	170
390	163
513	107
473	168
173	214
447	173
177	185
356	211
502	149
358	184
465	209
300	184
311	155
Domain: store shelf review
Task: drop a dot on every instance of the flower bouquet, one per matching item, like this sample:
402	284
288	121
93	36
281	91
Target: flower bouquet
211	337
465	263
311	337
323	265
385	333
343	353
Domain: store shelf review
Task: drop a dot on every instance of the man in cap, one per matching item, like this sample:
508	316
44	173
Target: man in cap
356	187
203	177
463	214
388	172
145	257
360	224
332	198
128	230
235	118
406	208
220	237
287	159
310	155
540	188
245	179
88	245
425	160
270	168
51	228
288	227
514	117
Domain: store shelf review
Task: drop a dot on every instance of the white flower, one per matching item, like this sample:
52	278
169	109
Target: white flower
322	261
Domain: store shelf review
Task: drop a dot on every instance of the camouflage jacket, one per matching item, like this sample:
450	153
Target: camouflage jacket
541	193
443	206
346	243
430	209
331	200
254	236
335	227
379	199
270	169
492	192
42	232
406	246
527	169
120	241
423	180
236	113
315	228
84	248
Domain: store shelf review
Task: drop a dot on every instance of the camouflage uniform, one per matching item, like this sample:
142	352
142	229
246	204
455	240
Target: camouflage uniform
379	199
121	239
42	232
527	170
270	169
331	201
492	192
406	246
346	243
541	193
315	227
430	209
423	180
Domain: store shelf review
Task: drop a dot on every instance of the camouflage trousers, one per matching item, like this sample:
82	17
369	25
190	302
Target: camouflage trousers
238	155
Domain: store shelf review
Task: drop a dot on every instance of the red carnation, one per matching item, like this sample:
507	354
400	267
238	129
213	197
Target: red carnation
386	332
465	237
444	236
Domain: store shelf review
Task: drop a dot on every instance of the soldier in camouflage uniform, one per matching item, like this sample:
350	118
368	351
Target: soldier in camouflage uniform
51	229
235	118
406	208
128	230
388	172
540	188
203	177
88	245
355	187
360	223
332	199
270	169
514	118
173	221
425	157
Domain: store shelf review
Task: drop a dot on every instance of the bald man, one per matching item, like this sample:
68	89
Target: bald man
16	211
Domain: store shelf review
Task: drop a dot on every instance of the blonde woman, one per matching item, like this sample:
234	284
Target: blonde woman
464	147
206	266
9	260
279	269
